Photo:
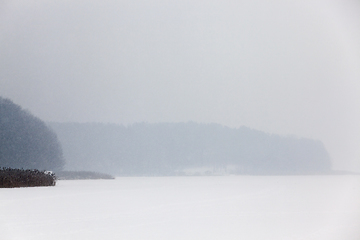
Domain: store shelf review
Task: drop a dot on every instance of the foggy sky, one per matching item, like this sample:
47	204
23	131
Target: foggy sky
281	67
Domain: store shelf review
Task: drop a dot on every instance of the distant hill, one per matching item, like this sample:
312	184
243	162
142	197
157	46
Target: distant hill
186	148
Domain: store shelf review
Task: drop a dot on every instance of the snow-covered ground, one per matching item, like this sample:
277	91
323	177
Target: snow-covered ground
231	207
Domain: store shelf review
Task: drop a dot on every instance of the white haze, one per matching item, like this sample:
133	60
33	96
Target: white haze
186	208
286	67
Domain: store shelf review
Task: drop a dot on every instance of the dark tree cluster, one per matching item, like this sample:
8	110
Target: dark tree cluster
171	148
26	141
12	178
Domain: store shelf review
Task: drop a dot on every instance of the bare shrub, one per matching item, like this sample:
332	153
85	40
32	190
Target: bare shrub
12	178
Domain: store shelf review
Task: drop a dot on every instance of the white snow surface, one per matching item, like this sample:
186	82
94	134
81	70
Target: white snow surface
221	207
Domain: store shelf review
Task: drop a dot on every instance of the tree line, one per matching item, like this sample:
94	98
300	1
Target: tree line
172	148
151	149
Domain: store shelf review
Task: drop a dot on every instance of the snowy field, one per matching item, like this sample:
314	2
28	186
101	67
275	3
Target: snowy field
232	207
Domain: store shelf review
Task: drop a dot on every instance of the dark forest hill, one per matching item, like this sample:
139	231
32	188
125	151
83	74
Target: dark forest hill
26	141
174	148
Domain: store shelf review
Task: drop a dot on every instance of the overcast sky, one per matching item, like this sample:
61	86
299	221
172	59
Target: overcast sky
284	67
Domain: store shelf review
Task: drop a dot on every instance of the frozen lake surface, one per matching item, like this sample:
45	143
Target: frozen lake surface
231	207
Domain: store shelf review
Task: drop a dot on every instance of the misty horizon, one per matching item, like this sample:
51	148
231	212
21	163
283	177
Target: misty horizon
173	149
288	68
